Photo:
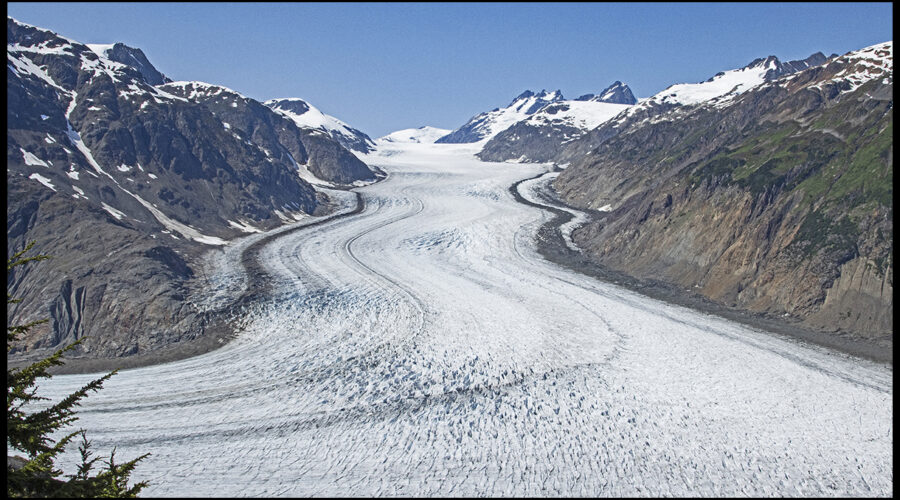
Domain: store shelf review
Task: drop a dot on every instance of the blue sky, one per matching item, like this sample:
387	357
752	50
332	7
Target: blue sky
387	66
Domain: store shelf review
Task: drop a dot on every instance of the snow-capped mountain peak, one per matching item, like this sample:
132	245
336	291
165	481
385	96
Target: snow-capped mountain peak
482	127
308	116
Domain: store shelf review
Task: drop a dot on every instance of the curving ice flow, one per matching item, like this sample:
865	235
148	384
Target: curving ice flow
423	347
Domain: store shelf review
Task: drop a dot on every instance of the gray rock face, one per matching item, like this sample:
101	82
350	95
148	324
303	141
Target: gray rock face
126	185
776	204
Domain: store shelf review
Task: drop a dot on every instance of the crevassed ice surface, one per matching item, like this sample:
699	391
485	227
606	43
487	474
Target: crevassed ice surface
423	347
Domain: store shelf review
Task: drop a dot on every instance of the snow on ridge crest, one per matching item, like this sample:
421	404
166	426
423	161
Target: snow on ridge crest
201	89
727	82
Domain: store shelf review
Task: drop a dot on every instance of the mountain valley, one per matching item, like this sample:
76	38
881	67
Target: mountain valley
687	294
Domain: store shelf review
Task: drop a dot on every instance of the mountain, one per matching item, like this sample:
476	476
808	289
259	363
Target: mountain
766	189
422	135
307	116
484	126
128	184
617	93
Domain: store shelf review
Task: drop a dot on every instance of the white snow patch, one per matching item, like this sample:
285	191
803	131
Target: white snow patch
112	211
184	229
43	180
304	173
22	65
244	226
584	115
30	159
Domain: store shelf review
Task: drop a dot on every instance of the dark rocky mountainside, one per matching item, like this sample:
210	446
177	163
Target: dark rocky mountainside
278	136
775	200
126	183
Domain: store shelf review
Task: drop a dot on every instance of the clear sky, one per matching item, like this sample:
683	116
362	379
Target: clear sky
382	67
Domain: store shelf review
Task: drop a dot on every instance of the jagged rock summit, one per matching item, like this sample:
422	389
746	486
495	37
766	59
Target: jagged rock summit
617	93
134	57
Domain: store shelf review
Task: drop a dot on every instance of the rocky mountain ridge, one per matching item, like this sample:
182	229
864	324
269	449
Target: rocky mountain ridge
568	116
773	197
617	93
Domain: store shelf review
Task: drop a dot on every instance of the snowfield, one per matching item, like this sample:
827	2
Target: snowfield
424	348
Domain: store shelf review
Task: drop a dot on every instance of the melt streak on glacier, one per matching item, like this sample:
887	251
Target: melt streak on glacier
424	348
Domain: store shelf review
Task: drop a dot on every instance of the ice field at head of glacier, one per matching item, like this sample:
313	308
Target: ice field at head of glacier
423	347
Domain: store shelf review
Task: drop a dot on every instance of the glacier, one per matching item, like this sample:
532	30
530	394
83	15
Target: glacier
422	347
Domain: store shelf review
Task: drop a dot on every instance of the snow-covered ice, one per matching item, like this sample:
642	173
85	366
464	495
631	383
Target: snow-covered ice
424	135
424	348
